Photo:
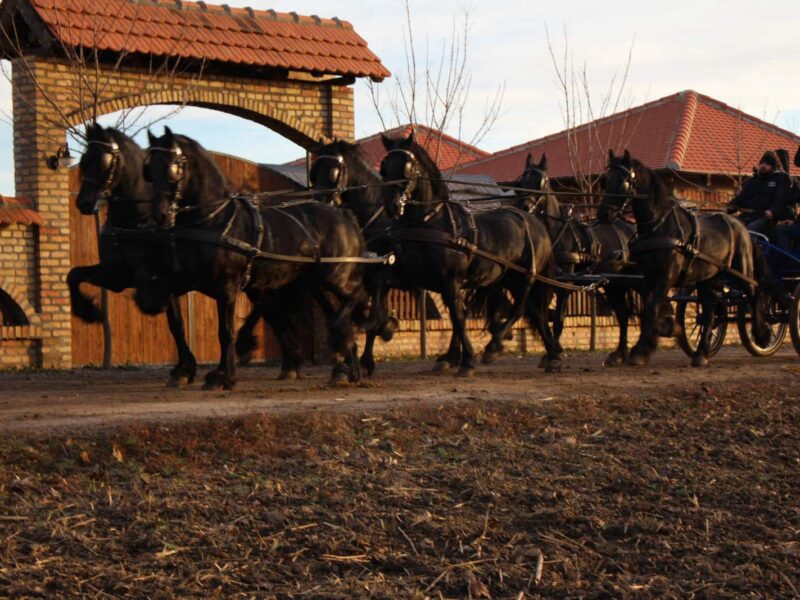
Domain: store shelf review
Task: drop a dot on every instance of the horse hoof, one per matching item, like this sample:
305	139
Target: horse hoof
388	329
615	359
699	361
217	381
489	357
441	366
245	358
289	375
176	381
543	362
553	366
466	372
638	360
340	379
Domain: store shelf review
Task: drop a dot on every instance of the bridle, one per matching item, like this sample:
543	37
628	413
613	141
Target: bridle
338	174
628	188
538	195
109	161
176	175
411	174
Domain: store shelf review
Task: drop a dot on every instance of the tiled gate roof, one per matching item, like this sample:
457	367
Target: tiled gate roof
196	30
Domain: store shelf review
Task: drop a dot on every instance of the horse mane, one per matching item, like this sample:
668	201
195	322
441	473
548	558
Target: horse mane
353	155
648	179
210	171
434	174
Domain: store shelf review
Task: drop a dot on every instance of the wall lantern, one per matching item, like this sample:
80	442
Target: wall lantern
62	159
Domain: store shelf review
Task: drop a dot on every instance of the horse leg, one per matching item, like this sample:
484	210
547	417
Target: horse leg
706	298
559	315
283	322
379	323
648	336
501	328
450	358
246	340
455	306
112	277
223	377
184	371
618	299
538	309
341	339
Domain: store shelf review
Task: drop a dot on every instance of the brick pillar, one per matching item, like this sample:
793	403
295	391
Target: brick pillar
341	107
36	136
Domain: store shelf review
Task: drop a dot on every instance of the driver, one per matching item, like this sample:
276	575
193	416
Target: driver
766	198
788	234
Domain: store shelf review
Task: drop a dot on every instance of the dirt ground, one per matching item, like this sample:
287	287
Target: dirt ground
68	401
662	482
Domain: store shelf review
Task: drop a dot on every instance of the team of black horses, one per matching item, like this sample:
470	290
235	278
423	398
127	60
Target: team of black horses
175	225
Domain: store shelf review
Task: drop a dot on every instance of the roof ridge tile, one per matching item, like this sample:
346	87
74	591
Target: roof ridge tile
683	130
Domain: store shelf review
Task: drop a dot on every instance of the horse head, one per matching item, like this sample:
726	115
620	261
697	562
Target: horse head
534	193
619	186
110	170
330	175
410	175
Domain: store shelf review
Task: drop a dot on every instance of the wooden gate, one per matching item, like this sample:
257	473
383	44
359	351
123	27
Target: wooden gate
140	339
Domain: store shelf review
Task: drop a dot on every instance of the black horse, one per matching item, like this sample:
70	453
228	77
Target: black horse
111	172
219	243
675	248
584	248
340	176
443	247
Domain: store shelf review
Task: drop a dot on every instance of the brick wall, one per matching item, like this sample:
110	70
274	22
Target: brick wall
300	108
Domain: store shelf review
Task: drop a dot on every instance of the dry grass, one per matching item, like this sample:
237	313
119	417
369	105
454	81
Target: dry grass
647	497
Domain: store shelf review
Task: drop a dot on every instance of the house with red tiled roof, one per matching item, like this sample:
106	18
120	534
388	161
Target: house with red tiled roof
447	151
702	147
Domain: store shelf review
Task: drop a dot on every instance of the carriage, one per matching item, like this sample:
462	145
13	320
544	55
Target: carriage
731	307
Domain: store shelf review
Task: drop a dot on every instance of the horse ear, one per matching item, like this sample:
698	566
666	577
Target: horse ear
626	158
412	137
151	139
611	156
528	161
168	132
388	142
543	162
797	158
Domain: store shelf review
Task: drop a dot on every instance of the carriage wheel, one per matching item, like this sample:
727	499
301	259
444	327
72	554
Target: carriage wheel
687	313
794	319
773	320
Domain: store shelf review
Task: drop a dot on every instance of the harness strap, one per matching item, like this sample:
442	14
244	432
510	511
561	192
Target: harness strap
464	245
651	244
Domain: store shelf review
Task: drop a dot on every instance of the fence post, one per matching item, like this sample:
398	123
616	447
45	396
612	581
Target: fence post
107	335
423	324
593	312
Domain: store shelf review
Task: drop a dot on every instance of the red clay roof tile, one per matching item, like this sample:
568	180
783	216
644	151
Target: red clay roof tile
449	154
687	132
213	34
16	210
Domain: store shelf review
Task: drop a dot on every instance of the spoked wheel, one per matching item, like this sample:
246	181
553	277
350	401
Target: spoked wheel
688	313
774	319
794	319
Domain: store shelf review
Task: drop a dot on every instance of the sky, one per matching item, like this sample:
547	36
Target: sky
734	52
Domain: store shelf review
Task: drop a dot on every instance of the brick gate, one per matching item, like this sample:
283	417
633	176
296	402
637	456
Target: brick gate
290	73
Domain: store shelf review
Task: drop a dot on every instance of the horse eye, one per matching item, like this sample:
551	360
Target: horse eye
333	174
105	161
407	170
626	186
173	171
544	181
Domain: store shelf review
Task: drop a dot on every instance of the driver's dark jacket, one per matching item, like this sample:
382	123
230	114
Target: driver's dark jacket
771	192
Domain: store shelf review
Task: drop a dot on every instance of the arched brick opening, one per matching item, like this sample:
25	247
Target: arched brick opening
15	309
234	104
